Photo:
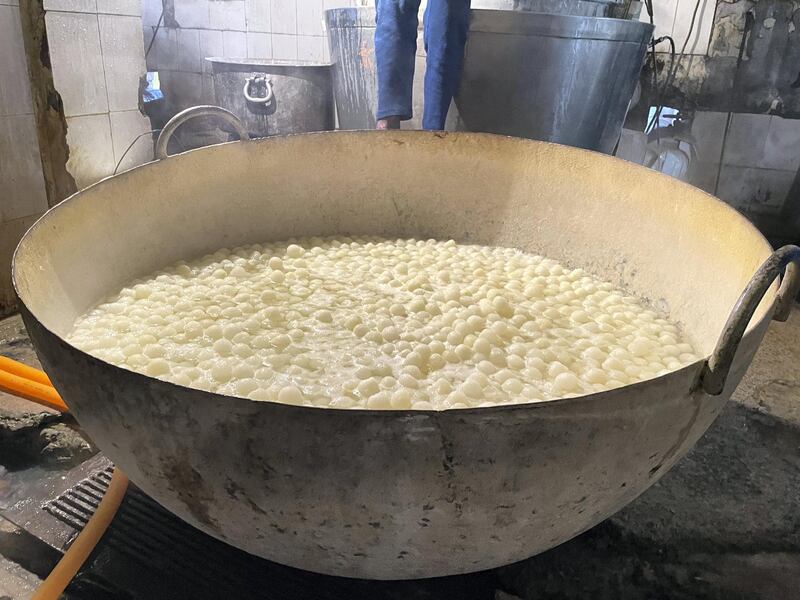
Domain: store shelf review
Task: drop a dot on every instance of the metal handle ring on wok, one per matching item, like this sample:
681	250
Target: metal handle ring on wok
190	113
266	98
784	260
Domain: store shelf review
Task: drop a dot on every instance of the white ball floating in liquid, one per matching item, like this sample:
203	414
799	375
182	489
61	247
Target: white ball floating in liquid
371	323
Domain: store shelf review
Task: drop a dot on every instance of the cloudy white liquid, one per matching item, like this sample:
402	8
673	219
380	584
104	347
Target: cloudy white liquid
382	324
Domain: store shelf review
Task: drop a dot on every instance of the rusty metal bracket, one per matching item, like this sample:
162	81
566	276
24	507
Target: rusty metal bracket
785	260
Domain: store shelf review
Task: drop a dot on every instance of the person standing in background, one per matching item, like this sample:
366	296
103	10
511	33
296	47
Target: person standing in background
446	24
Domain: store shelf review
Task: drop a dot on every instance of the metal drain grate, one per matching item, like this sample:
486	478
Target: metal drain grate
77	505
149	553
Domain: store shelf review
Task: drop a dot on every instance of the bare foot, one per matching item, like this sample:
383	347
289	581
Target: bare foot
388	123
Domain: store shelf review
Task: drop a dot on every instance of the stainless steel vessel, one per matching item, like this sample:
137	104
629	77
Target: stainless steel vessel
351	36
400	494
274	97
551	77
581	8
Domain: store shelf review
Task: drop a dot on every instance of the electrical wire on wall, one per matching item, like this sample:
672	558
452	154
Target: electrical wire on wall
155	33
674	66
660	92
152	131
749	21
136	139
648	5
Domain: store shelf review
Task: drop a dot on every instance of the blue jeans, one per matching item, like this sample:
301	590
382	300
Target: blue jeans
446	24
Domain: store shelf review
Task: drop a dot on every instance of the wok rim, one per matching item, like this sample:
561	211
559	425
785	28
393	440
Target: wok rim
394	413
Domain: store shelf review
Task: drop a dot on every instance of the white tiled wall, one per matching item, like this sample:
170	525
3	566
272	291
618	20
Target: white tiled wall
14	99
674	18
227	15
280	29
123	59
91	151
77	60
759	161
23	198
97	54
21	168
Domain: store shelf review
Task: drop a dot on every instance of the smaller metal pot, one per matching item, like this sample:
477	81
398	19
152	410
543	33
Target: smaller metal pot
275	97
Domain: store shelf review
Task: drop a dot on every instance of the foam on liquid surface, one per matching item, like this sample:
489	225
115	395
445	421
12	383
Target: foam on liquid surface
382	324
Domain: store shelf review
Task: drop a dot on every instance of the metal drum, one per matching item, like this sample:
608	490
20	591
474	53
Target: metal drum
351	35
274	97
580	8
556	78
395	494
551	77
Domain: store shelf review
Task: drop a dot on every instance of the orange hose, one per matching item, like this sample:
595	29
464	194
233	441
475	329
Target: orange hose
22	370
33	384
31	390
84	544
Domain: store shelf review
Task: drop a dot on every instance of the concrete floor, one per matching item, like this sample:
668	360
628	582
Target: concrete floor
723	524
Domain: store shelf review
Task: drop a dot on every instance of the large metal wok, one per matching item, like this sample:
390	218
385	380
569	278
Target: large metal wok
399	494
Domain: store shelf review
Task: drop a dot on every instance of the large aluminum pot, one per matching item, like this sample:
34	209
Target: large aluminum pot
583	8
399	494
550	77
351	37
275	97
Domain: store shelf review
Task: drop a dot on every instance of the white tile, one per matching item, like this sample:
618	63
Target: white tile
755	190
91	153
701	32
726	34
126	127
234	44
15	94
284	46
309	17
9	2
208	89
182	89
708	129
149	32
257	15
77	62
632	146
11	233
132	8
704	175
311	48
210	46
20	168
227	15
190	56
123	57
663	17
164	54
81	6
259	45
193	13
782	148
747	137
284	16
151	12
